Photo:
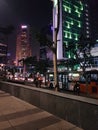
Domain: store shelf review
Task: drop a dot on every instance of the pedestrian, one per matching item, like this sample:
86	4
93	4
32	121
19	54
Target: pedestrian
51	85
77	88
36	81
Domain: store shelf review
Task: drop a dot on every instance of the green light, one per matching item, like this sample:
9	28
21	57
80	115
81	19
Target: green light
79	14
67	8
76	10
69	56
72	22
68	25
66	35
79	24
74	57
76	36
66	43
70	36
81	7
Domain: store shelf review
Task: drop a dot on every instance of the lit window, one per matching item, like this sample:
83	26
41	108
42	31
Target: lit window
86	5
87	19
87	36
66	43
87	23
79	14
76	36
67	8
69	56
70	36
81	7
79	24
72	23
87	27
86	14
68	24
66	35
86	10
87	32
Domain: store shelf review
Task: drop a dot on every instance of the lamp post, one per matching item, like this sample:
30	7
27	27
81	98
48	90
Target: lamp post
56	15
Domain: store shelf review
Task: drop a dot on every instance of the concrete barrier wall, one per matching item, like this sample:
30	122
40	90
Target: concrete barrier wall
78	110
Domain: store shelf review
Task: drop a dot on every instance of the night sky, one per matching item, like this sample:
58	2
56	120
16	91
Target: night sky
36	13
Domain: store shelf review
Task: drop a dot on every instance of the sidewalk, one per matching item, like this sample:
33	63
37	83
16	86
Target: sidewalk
16	114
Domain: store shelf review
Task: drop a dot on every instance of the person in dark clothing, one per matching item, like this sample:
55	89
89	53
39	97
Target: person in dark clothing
36	81
51	85
77	88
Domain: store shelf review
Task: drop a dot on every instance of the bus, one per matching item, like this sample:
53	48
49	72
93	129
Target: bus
66	79
88	81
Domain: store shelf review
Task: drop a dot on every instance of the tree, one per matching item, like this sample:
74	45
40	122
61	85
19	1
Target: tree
42	66
28	61
80	54
53	44
83	52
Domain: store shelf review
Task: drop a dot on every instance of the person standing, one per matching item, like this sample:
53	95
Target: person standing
77	88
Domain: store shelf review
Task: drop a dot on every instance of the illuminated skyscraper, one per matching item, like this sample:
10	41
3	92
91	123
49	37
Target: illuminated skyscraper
74	21
23	45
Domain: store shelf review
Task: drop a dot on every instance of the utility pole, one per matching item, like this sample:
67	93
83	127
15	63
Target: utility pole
56	15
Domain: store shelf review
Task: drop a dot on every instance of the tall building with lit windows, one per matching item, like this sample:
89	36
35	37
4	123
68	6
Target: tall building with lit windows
23	45
74	21
3	53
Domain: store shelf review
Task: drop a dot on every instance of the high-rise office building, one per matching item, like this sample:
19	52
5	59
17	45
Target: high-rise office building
74	21
3	53
23	45
3	48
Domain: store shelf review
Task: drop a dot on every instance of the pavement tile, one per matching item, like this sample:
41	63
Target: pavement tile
16	114
4	125
62	125
19	114
37	124
28	118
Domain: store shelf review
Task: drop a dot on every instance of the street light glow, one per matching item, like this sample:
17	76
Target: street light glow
24	26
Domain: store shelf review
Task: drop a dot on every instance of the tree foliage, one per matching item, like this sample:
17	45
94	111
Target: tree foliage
80	53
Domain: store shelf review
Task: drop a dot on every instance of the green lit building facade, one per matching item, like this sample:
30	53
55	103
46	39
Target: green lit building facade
74	21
